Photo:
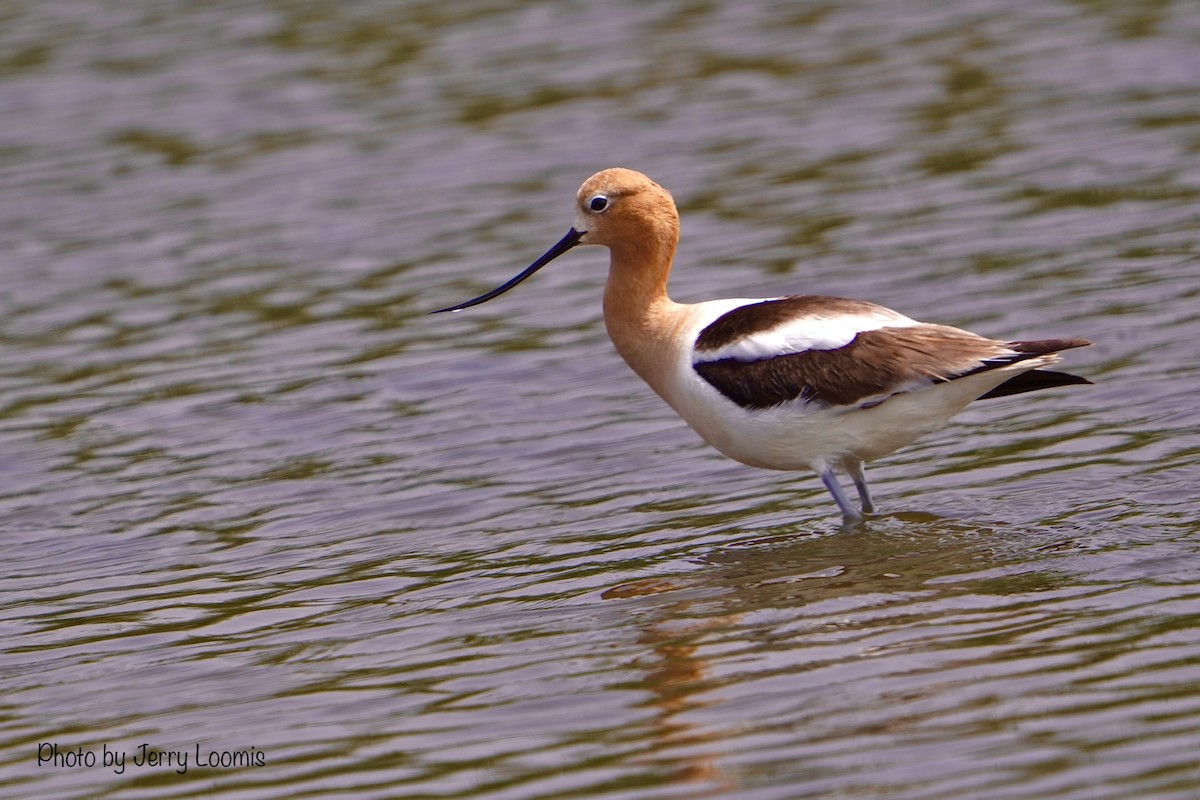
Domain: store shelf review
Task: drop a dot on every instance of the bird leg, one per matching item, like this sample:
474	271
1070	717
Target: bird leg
855	470
831	483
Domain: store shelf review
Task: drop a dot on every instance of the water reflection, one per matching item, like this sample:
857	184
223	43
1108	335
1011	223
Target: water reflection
907	634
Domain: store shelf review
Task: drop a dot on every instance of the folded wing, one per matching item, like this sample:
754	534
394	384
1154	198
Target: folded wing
835	352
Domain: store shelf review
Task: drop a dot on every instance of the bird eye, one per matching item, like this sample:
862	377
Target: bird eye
598	203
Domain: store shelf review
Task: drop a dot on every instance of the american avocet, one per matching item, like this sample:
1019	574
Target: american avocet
796	382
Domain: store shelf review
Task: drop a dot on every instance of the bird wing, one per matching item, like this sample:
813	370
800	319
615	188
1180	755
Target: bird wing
836	352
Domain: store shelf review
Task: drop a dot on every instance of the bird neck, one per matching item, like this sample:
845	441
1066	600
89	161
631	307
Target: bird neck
641	319
637	280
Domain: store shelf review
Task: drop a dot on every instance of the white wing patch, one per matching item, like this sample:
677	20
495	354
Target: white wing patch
810	332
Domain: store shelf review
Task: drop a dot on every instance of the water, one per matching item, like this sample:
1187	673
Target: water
255	502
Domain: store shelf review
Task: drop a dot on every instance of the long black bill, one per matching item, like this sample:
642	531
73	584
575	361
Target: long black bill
564	244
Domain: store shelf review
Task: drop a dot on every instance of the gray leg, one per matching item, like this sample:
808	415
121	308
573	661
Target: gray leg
831	483
855	468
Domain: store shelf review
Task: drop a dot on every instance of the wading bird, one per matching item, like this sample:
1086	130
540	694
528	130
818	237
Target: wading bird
788	383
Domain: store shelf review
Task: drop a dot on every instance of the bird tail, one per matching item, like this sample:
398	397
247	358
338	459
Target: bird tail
1032	381
1036	379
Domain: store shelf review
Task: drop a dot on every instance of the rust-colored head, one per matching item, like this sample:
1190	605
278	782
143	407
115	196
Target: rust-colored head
621	209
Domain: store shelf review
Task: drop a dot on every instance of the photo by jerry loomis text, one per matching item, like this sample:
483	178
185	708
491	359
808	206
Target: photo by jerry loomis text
49	754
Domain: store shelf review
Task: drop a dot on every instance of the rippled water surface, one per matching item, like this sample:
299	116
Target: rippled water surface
257	507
